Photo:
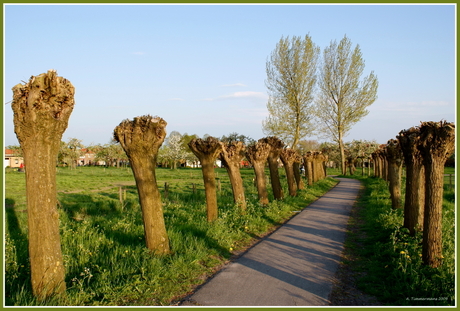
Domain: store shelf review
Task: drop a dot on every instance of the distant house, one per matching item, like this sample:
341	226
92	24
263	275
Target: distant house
87	158
11	160
217	163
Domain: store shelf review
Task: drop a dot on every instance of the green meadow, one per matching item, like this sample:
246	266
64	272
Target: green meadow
107	263
102	238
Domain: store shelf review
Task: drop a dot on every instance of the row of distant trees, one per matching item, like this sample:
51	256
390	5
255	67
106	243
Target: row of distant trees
175	151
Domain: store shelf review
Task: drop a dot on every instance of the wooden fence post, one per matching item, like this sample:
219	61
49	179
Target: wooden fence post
166	189
120	194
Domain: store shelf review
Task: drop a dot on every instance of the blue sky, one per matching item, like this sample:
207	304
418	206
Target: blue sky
202	67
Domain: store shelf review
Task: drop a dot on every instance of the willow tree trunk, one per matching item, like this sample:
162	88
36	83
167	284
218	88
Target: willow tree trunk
288	157
351	165
297	175
308	164
376	161
207	151
385	167
394	158
42	108
322	158
276	147
437	143
141	139
342	154
231	156
415	180
257	154
325	159
318	169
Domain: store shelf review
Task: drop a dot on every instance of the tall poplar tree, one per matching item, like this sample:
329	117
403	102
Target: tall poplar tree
291	79
343	97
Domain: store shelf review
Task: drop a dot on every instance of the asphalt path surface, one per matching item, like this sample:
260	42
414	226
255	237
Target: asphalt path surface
294	266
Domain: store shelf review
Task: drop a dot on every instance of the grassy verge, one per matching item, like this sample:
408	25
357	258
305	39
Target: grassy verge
102	239
389	259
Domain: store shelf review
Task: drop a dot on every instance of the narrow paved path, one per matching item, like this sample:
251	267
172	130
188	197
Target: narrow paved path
294	266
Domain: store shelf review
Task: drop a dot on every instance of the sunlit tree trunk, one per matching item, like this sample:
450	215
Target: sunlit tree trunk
42	108
288	157
257	155
308	164
276	147
437	143
297	175
318	169
231	156
207	152
415	180
342	153
395	159
141	138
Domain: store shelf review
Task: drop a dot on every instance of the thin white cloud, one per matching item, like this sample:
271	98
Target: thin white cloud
234	85
240	95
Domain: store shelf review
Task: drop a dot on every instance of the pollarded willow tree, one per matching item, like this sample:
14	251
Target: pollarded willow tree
288	157
343	98
232	154
207	150
291	79
437	143
276	147
257	154
308	166
395	160
42	109
296	167
141	138
414	202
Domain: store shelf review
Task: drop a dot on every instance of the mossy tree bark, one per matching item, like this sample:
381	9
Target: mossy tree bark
257	155
415	179
395	160
437	143
231	156
42	108
276	147
207	152
288	157
141	138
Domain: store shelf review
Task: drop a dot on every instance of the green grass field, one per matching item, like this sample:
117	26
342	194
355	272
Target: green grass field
107	263
102	239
